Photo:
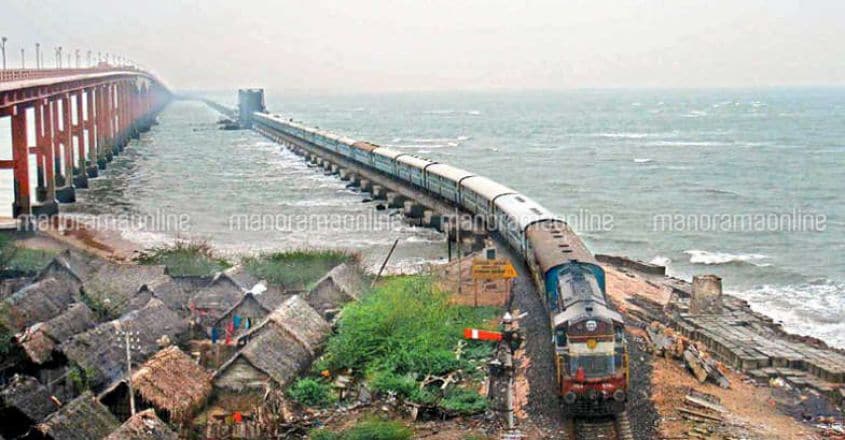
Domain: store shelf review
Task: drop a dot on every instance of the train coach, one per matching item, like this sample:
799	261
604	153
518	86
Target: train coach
591	359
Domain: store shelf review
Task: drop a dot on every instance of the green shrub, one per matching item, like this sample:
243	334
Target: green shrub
185	258
370	429
405	326
17	260
311	392
298	269
463	402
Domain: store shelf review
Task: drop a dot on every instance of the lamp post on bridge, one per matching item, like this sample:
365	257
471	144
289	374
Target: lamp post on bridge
37	55
89	58
3	41
59	57
23	59
77	58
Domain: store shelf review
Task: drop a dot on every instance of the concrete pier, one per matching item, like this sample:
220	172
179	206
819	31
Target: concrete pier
379	192
395	200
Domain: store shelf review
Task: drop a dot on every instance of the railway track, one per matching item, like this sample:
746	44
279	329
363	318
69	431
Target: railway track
605	428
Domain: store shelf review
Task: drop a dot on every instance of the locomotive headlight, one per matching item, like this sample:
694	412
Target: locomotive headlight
619	396
591	326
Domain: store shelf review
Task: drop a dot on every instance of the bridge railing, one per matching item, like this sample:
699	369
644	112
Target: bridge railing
24	74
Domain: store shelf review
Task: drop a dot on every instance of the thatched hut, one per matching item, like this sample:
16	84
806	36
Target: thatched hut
170	381
83	418
242	277
24	402
118	284
40	301
212	301
102	351
277	350
344	283
143	426
40	340
253	307
176	293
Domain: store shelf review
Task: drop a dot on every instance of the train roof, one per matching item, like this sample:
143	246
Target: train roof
583	311
414	161
449	172
387	152
523	210
347	140
486	188
555	243
365	146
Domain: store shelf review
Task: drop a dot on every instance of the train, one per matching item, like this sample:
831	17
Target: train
591	354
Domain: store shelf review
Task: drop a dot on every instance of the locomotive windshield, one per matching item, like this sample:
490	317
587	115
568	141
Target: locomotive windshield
593	366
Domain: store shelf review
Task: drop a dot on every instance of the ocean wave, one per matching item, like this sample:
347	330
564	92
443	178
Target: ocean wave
642	160
711	258
660	260
816	309
688	144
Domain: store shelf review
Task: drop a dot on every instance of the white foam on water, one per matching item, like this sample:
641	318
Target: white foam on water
642	160
815	309
660	260
710	258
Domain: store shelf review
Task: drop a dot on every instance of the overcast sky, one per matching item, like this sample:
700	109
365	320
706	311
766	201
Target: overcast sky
360	45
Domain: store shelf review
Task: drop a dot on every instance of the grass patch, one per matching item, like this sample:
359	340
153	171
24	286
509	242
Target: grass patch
404	330
311	392
369	429
298	269
20	261
185	258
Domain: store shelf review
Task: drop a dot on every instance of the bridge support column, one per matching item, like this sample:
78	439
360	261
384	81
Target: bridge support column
432	220
379	192
413	209
20	163
344	175
395	200
366	186
80	176
66	193
46	191
91	163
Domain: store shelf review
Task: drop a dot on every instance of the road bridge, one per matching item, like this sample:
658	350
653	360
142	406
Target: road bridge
67	124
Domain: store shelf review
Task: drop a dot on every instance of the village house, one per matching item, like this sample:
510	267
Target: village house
24	402
38	302
170	381
102	351
276	350
344	283
143	426
82	418
40	340
211	302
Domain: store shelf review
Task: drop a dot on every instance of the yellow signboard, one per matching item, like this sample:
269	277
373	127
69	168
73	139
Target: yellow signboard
493	270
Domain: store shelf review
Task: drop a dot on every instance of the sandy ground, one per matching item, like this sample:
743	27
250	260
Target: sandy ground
62	232
752	412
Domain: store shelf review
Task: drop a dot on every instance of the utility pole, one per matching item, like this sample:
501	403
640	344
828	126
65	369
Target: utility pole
129	337
458	243
3	41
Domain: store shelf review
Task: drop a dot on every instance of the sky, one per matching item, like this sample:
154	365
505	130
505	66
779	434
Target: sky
354	46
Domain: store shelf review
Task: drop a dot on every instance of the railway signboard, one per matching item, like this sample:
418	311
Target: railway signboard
493	270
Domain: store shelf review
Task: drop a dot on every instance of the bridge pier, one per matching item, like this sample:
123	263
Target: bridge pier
366	186
395	200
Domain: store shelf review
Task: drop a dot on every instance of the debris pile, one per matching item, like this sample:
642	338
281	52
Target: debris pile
665	342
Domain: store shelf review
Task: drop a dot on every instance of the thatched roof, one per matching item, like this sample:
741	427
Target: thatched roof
119	283
69	265
215	299
101	350
285	343
27	395
243	278
41	339
177	292
344	283
172	381
40	301
82	418
143	426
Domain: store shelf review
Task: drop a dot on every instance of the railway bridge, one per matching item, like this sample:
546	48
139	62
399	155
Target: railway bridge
67	124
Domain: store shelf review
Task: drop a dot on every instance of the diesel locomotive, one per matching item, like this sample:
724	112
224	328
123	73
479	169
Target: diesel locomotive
591	358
